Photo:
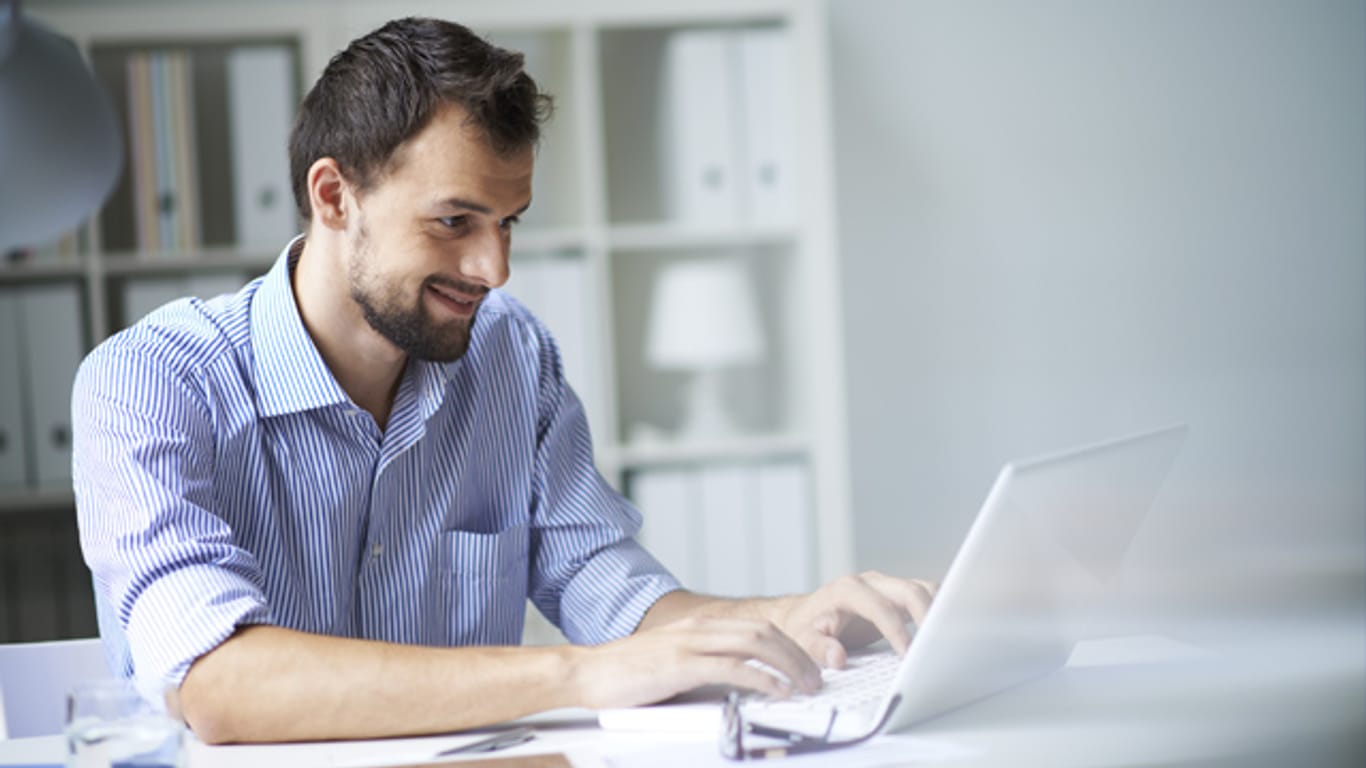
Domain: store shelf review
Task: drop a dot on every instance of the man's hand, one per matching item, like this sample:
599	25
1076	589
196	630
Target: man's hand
656	663
688	640
853	611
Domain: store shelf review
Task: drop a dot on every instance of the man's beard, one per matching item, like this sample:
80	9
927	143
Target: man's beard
407	327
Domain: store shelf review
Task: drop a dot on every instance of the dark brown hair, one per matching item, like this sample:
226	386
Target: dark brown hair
384	88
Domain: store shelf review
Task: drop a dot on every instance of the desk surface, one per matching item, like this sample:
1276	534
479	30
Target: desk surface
1102	710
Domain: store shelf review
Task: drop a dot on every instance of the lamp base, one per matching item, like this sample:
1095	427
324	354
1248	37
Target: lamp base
704	409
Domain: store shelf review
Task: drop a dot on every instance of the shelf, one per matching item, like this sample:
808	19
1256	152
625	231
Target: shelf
538	242
39	269
664	237
39	501
742	448
128	263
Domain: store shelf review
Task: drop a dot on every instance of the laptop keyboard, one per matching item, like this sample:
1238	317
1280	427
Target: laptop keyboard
856	690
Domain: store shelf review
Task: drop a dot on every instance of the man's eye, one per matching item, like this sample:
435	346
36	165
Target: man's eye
510	222
452	222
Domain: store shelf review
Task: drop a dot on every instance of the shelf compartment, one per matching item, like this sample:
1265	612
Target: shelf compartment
198	174
645	237
36	501
661	452
756	397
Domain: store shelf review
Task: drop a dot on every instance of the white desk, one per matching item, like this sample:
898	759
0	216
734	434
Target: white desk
1103	710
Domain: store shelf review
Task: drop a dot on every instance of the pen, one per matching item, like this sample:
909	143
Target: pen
495	741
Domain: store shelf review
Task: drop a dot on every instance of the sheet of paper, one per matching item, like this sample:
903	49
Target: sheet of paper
882	751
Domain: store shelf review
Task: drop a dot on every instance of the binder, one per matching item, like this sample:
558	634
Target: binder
525	283
36	589
261	105
768	185
163	162
143	160
164	197
785	528
51	316
9	594
180	131
559	292
666	500
207	285
143	295
565	306
77	594
730	539
14	469
700	111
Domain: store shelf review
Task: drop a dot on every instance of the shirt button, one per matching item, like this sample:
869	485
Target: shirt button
376	549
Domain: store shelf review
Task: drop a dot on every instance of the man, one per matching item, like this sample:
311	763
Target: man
316	508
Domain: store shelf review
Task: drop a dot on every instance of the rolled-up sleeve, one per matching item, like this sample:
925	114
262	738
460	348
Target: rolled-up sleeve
163	562
590	577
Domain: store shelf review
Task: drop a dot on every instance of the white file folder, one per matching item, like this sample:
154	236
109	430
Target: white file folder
701	165
671	532
729	526
13	449
144	294
769	150
566	307
208	285
559	292
785	522
261	102
52	340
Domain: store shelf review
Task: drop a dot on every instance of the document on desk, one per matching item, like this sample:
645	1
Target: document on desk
882	751
551	760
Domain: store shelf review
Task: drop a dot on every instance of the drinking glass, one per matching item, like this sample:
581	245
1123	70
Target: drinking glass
109	725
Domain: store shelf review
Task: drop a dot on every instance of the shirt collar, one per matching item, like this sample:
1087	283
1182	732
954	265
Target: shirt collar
291	375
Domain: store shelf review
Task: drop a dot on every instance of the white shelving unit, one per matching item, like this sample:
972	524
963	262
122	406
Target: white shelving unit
598	205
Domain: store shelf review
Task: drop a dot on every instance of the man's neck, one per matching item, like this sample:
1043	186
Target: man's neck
366	365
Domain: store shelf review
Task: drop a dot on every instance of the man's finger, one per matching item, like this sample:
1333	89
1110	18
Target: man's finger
858	597
734	672
912	595
827	651
761	641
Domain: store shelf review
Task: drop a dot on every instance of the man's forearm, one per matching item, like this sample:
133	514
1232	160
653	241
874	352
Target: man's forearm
681	604
272	684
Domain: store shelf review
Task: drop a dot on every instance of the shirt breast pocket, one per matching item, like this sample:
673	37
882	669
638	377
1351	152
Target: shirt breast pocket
486	577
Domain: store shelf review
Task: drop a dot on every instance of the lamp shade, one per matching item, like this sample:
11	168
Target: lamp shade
60	147
703	316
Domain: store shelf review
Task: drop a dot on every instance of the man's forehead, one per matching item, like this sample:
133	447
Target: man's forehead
450	130
453	160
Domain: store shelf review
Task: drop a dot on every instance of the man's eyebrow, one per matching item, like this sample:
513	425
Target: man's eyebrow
459	202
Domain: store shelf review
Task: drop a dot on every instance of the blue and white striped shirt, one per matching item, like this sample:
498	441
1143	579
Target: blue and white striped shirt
224	478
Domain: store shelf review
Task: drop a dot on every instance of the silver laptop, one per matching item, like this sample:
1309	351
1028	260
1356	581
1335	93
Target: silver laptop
1042	553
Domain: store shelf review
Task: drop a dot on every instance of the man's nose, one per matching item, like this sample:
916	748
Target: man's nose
486	261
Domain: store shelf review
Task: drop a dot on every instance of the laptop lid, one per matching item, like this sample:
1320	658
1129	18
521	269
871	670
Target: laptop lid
1043	550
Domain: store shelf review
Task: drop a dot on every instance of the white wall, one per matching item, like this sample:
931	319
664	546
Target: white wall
1066	219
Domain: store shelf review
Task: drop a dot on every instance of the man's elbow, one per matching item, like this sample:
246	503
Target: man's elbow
205	712
210	701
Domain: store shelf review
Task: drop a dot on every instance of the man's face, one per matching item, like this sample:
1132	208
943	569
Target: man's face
432	235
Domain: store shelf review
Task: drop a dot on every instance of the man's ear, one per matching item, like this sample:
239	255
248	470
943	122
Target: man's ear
328	192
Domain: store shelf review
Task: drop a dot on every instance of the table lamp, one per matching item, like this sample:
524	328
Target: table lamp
703	320
60	148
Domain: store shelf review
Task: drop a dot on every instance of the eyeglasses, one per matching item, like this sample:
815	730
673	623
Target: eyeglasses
734	727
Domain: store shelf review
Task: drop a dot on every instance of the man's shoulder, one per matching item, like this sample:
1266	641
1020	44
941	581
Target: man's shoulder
507	318
185	335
